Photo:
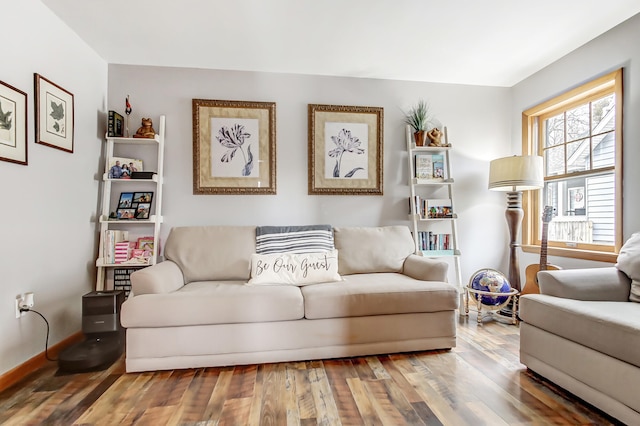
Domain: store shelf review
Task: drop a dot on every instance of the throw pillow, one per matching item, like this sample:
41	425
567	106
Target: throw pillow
629	263
294	269
294	239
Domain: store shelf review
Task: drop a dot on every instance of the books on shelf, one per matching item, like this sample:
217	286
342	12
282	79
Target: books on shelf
111	239
414	207
115	125
431	241
438	166
429	167
119	250
424	166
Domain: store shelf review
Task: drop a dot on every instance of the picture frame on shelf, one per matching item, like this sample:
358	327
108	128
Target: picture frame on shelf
143	210
134	205
146	244
54	115
439	208
345	153
13	124
126	214
126	200
115	125
123	167
142	197
234	147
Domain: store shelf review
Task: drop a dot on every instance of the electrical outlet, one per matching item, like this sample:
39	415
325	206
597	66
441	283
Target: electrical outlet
18	303
27	300
24	300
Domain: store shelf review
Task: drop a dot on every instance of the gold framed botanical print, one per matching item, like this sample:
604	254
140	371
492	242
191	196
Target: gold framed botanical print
234	147
345	150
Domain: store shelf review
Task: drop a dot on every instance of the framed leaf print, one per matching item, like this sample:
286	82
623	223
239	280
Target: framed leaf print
54	115
345	150
234	147
13	124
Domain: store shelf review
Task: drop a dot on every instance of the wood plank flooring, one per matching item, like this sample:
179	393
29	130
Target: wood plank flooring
480	382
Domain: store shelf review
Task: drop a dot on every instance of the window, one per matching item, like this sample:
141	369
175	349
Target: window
579	136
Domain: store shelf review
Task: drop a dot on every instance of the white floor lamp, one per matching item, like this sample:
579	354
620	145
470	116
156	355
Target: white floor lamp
514	175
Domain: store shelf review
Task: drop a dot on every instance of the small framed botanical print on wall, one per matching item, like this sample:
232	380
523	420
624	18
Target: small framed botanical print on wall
54	115
13	124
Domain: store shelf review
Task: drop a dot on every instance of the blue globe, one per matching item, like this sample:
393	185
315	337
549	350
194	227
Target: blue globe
492	281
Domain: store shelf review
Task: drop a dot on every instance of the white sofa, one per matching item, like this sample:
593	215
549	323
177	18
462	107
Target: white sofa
195	309
583	333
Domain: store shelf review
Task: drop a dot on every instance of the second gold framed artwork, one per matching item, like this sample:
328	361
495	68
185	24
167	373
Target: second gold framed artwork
345	150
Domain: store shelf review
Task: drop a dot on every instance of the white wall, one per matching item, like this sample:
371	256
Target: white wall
615	49
477	119
47	229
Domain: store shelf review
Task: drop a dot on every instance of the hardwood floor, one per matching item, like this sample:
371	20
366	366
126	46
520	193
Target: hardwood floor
481	381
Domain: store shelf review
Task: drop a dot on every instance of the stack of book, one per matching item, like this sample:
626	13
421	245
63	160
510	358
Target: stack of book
115	124
437	243
111	239
119	250
429	167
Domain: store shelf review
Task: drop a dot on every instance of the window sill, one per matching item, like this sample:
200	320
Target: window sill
598	256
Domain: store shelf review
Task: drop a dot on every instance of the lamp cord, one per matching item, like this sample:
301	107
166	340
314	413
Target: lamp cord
46	342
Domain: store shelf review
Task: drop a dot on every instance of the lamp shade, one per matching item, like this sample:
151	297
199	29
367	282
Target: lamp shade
516	173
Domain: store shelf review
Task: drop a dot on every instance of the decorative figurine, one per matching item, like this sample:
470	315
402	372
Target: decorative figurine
435	136
127	111
146	130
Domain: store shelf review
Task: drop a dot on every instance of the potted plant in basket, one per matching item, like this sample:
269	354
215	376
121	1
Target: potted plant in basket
418	118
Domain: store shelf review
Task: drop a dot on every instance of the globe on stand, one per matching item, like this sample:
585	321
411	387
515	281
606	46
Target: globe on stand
492	281
489	289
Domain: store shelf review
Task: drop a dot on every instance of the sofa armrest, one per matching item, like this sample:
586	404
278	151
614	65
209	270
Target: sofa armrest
425	269
586	284
163	277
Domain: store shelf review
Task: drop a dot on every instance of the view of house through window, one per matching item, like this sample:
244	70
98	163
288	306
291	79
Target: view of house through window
577	136
581	141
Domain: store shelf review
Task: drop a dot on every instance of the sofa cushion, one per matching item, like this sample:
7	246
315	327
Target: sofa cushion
629	263
294	268
612	328
294	239
377	294
207	302
211	253
372	249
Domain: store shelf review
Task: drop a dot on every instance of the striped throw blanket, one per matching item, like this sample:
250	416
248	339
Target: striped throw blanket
294	239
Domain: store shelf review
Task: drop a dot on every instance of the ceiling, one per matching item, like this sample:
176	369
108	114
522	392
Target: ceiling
477	42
